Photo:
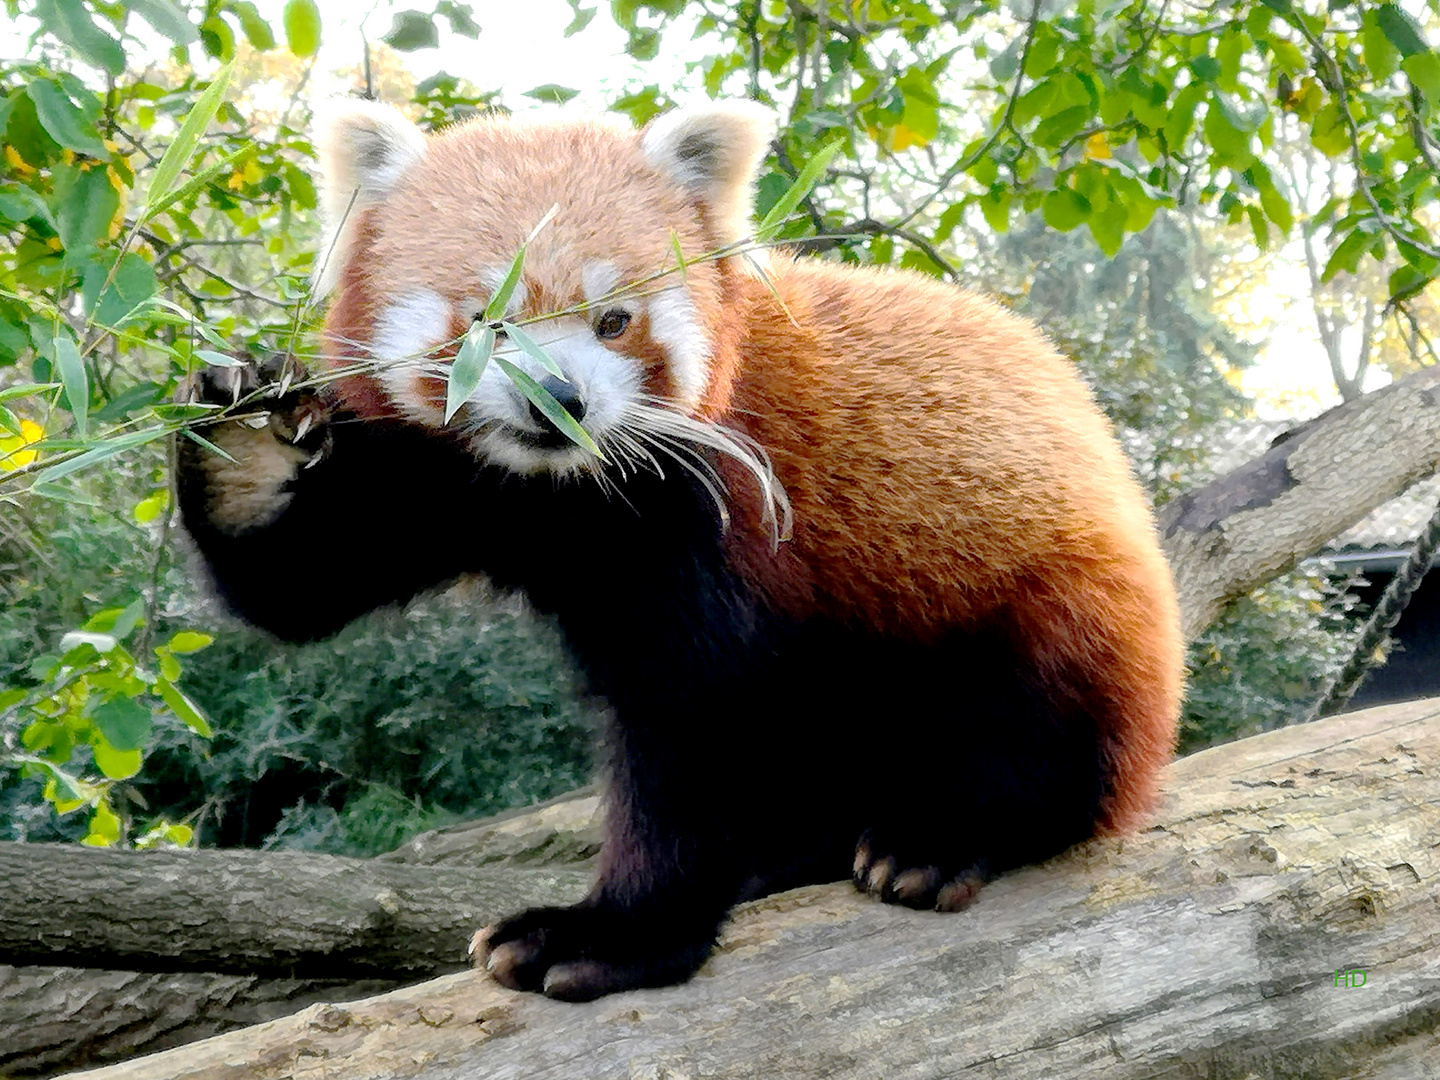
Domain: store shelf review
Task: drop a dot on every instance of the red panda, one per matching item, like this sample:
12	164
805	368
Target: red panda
863	573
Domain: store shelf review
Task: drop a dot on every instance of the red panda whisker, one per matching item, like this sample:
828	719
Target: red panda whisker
736	445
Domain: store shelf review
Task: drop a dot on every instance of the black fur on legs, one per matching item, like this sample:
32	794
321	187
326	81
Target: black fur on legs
747	751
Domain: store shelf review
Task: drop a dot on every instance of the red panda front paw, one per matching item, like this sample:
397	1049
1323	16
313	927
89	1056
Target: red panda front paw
897	875
584	952
294	416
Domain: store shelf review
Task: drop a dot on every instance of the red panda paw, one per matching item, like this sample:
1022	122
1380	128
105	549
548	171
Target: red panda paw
269	397
584	952
892	874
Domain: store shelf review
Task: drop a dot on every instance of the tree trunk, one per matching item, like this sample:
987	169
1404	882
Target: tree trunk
1228	940
1239	531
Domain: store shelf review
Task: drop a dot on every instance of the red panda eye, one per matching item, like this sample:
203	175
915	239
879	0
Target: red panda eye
613	323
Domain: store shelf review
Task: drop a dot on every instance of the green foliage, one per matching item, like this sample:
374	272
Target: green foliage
92	707
1264	662
1093	115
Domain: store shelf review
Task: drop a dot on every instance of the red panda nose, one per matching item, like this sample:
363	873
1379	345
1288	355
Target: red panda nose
567	394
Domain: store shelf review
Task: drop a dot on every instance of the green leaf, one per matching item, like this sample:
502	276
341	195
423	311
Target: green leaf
206	443
257	30
203	178
1381	57
71	23
218	359
169	666
301	20
1406	282
1064	209
552	92
1347	253
785	205
132	285
495	309
21	204
188	641
462	19
182	148
412	30
1044	52
1276	207
528	345
124	722
1424	71
63	120
553	410
107	449
76	381
1402	31
184	709
1328	133
117	764
1054	130
469	365
117	622
167	19
581	20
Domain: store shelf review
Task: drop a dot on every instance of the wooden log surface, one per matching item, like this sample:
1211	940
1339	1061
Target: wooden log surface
1208	946
54	1018
289	913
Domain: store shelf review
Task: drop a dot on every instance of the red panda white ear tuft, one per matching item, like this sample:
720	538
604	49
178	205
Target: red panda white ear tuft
713	152
364	148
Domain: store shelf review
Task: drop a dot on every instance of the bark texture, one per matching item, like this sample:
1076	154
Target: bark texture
58	1018
1239	531
273	913
1206	947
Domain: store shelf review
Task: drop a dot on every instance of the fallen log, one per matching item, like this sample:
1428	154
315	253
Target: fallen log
287	913
1278	919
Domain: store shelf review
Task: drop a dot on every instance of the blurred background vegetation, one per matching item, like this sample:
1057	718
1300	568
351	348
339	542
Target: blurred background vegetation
1165	188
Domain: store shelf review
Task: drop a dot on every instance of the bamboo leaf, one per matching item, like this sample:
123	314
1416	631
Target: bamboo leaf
556	413
182	148
532	348
206	443
469	365
786	204
107	449
195	183
495	310
76	381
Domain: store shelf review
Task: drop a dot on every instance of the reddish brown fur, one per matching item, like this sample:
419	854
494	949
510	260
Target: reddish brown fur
944	464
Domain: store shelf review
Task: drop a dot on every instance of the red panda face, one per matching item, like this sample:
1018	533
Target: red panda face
423	231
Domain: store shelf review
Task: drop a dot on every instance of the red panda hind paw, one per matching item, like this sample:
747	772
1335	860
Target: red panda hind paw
911	882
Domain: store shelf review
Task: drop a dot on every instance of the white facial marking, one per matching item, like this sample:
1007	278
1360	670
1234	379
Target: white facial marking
498	416
675	326
405	331
599	279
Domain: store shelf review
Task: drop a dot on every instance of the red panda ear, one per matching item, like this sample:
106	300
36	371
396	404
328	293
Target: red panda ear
364	148
713	152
